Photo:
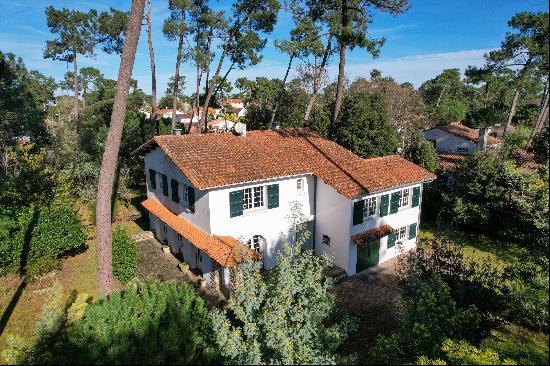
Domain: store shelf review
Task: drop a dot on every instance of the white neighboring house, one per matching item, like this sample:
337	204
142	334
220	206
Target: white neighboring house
205	191
458	138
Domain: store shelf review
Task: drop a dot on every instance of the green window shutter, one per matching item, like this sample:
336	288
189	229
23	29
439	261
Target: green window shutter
175	193
153	178
164	185
416	196
392	238
191	198
394	205
384	203
273	196
236	203
412	231
358	212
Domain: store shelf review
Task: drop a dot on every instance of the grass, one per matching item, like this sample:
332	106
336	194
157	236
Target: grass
519	344
476	246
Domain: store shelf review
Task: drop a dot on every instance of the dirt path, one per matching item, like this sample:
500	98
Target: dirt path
154	263
370	296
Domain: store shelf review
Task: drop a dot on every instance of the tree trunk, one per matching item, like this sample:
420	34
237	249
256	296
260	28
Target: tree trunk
486	99
211	84
512	112
196	102
440	95
154	127
75	85
110	155
280	94
339	88
177	75
317	81
543	109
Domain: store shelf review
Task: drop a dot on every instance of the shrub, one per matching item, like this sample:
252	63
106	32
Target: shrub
125	255
148	323
421	152
517	138
42	265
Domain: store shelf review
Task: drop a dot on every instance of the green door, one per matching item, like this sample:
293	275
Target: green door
367	256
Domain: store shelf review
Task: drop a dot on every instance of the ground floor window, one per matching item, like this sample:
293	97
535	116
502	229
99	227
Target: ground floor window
402	234
256	243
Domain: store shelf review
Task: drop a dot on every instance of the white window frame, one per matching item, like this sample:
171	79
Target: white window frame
255	243
251	199
403	197
402	234
370	203
300	185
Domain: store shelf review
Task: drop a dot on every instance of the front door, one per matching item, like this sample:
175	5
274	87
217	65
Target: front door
367	256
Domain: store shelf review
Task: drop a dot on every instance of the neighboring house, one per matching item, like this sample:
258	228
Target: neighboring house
205	191
526	160
233	103
458	138
221	124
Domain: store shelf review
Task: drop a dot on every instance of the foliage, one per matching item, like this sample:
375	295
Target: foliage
517	138
421	152
364	127
286	317
39	266
463	353
540	145
53	231
148	323
125	255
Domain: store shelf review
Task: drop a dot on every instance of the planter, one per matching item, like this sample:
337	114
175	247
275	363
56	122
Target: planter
183	266
166	249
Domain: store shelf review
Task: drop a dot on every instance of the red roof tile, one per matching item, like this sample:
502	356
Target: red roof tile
449	161
225	250
526	159
465	132
213	160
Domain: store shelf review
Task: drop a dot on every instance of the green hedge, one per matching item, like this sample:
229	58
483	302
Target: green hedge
125	255
53	231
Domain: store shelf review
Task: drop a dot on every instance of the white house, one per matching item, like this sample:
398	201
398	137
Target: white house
208	193
458	138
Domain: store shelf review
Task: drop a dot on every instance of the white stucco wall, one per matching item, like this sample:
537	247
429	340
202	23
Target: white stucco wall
404	217
159	161
272	224
333	218
446	142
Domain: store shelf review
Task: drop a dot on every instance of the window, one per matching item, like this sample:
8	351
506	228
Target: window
462	149
185	196
401	234
153	179
370	207
300	185
253	198
326	240
404	198
164	184
256	243
175	190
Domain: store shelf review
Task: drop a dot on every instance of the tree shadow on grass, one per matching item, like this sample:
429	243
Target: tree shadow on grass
24	258
143	220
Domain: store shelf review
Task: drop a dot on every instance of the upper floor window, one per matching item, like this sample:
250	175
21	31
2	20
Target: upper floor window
300	185
153	179
404	198
326	240
175	190
370	207
462	149
164	184
253	198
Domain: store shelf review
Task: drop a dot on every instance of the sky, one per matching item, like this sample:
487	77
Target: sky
432	36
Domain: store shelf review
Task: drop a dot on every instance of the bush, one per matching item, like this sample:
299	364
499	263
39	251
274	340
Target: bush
148	323
125	255
517	138
421	152
42	265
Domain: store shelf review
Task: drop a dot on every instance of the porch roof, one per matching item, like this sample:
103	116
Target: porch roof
225	250
376	233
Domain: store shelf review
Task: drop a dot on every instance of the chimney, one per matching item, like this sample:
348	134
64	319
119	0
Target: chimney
240	129
482	141
176	131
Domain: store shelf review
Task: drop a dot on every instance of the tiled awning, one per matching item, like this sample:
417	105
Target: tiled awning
225	250
373	234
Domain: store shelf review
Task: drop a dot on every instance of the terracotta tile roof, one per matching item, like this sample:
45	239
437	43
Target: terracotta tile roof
373	234
225	250
449	161
465	132
214	160
526	159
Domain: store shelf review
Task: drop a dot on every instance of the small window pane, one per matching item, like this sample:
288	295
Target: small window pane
258	196
370	207
405	197
247	199
300	185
